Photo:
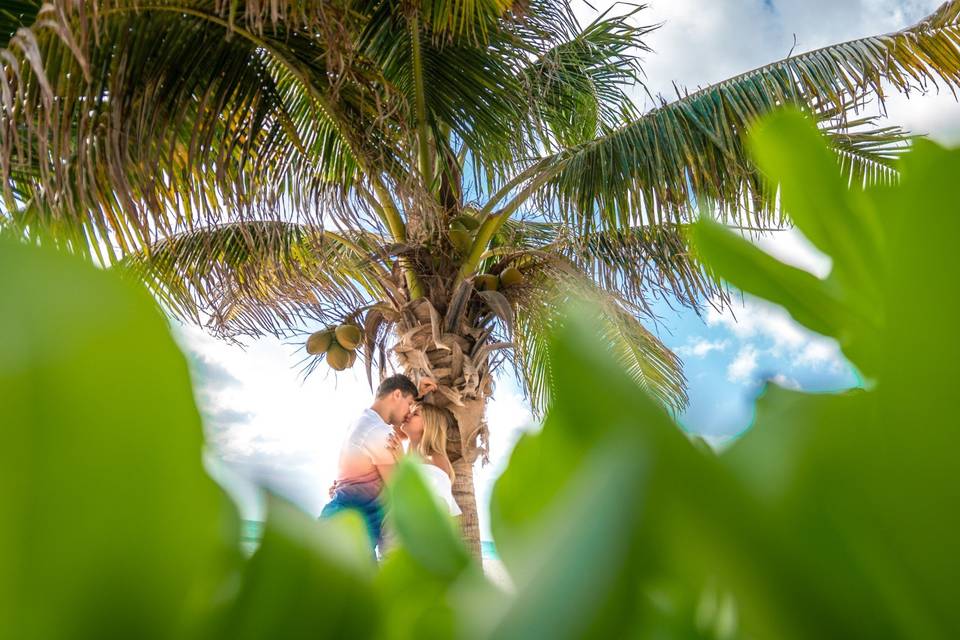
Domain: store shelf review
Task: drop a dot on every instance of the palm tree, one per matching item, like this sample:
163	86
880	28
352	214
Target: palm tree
441	174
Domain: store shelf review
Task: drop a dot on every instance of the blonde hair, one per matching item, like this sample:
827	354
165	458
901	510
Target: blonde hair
433	442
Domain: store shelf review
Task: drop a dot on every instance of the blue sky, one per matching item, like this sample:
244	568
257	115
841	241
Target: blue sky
265	424
726	363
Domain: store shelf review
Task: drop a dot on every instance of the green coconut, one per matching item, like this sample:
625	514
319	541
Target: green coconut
353	358
510	276
349	336
486	282
461	239
338	358
466	221
319	341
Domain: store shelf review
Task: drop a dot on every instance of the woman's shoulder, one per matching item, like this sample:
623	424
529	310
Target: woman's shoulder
443	464
435	470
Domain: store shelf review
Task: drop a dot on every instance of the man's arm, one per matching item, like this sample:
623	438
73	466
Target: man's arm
385	471
386	459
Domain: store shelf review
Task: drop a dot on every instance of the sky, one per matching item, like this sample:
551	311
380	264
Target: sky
267	425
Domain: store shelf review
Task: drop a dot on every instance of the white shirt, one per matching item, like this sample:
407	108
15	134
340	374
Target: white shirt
440	485
365	447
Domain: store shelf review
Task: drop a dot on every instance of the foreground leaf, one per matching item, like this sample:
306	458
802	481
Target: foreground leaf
109	521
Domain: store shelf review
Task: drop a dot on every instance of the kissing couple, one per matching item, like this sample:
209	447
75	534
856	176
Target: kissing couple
374	444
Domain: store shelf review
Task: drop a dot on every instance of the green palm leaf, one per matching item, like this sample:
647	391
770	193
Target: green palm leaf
639	264
660	163
262	277
15	14
581	83
173	111
556	285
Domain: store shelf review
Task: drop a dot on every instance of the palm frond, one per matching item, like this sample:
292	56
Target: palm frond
519	234
581	83
639	264
472	91
473	19
556	284
262	277
654	168
146	118
868	154
15	14
643	264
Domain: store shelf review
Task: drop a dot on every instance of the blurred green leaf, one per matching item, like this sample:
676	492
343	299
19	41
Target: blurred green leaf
791	151
692	522
416	602
426	565
424	530
866	481
308	579
576	555
835	216
110	527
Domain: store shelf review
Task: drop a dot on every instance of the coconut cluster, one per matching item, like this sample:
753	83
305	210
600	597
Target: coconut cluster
509	277
338	343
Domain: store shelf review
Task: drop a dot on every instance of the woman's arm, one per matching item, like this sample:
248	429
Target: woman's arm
442	461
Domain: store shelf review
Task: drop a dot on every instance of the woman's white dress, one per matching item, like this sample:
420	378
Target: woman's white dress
440	484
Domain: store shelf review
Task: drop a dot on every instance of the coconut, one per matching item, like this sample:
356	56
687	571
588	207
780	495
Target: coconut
510	276
319	341
466	221
337	357
349	336
461	239
353	358
486	282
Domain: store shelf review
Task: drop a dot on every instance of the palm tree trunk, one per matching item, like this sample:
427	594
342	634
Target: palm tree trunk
462	372
462	456
470	422
465	495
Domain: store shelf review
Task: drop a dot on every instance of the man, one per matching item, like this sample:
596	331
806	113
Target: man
370	452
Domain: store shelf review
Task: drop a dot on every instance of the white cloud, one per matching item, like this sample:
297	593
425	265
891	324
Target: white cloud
820	355
267	423
767	334
792	247
756	318
699	347
756	321
743	366
786	382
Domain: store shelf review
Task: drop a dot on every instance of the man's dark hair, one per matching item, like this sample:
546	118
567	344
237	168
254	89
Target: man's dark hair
399	381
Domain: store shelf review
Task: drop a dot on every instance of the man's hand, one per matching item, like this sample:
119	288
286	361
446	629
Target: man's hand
426	386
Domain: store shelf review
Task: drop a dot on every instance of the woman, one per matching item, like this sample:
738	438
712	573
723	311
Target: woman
427	427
